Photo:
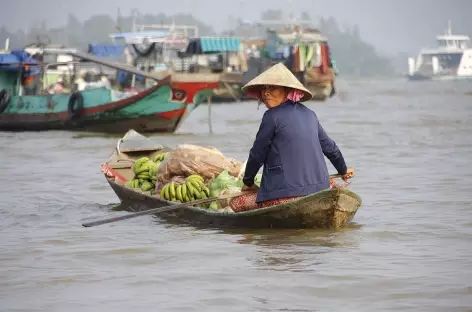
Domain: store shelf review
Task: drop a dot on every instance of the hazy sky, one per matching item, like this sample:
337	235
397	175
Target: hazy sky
391	25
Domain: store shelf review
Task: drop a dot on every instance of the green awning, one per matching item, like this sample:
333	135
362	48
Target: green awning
220	44
213	45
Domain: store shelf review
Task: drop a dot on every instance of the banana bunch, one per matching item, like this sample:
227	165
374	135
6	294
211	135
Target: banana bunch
159	157
144	174
191	190
133	183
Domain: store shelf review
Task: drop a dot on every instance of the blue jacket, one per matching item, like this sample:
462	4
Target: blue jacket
290	144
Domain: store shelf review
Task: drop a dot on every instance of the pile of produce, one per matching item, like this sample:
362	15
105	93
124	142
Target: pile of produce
190	173
145	172
189	159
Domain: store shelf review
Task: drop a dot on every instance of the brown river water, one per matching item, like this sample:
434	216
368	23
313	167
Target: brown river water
409	247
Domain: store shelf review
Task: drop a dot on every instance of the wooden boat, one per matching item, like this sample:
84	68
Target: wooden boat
101	109
190	83
325	209
312	58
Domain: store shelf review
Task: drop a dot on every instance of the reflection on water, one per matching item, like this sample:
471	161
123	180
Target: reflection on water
293	250
294	237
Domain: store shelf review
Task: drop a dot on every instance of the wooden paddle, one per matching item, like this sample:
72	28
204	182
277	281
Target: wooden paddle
171	207
161	209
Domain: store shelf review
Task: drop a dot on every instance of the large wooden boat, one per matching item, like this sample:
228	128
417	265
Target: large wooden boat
156	108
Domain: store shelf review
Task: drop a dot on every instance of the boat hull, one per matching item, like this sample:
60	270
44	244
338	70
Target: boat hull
152	110
193	88
328	209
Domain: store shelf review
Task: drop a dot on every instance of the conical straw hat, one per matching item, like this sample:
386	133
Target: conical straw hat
277	75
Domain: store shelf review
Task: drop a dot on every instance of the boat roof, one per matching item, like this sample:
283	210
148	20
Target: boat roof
453	37
16	60
445	50
141	36
307	35
449	36
104	50
204	45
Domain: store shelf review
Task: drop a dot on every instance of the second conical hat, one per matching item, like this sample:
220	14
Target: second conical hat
277	75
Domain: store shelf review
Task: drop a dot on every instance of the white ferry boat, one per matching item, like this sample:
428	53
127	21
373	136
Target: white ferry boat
451	59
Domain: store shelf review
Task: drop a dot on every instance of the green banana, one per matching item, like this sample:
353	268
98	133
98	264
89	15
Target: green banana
190	188
161	194
172	189
146	186
198	195
196	184
138	163
206	190
178	192
143	176
144	168
159	157
195	177
184	191
166	192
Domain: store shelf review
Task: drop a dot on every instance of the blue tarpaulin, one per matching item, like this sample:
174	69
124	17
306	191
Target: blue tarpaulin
12	62
114	51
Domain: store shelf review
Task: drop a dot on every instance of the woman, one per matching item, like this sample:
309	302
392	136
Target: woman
290	144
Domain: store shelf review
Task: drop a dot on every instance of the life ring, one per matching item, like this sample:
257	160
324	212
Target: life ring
5	97
75	106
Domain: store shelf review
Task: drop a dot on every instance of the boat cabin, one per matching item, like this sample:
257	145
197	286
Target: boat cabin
159	50
453	41
213	54
450	41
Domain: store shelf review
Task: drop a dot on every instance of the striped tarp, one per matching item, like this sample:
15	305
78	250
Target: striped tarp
215	44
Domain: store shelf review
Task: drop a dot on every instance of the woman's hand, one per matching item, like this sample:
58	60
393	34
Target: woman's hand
349	174
253	188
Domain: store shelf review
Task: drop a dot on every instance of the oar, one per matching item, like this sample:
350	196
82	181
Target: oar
171	207
161	209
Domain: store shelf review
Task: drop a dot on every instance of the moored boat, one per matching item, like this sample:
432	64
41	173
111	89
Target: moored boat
153	50
98	108
331	208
